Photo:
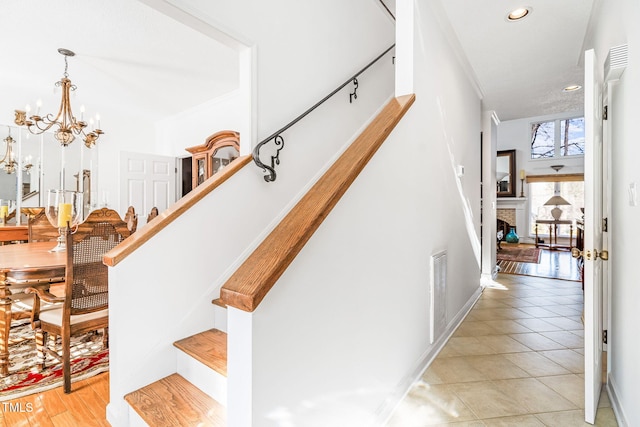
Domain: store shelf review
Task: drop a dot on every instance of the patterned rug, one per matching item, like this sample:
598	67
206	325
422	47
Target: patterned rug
519	254
88	358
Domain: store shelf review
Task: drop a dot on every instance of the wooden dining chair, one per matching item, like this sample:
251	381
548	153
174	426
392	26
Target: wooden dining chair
152	214
40	229
103	215
131	218
84	306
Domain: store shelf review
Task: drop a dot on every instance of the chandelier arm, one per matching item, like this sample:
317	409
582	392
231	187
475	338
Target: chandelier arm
68	126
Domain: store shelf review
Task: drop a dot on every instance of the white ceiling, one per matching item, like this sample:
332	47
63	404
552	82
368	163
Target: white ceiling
131	57
523	66
128	57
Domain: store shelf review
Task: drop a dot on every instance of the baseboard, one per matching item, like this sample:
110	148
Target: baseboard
615	402
385	411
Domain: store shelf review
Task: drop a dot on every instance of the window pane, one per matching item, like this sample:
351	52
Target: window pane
572	137
543	140
540	192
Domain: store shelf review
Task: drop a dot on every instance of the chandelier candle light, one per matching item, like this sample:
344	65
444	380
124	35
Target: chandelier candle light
68	127
4	212
63	210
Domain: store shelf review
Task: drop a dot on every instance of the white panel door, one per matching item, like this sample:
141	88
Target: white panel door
147	181
593	178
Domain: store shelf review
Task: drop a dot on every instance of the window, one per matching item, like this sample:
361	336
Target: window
540	192
572	137
557	138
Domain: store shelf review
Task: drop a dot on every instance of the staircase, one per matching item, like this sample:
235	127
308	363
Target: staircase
194	396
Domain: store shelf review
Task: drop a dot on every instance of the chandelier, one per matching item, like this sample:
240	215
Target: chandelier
8	162
67	125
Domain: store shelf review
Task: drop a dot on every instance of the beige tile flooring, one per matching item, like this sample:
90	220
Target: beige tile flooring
516	360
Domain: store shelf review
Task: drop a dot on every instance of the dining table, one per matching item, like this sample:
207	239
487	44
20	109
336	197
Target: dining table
11	233
21	266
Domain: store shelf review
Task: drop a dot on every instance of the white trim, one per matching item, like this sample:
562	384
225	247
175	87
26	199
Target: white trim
615	402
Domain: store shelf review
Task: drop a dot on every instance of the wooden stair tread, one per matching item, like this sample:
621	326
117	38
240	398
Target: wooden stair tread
219	302
175	401
208	347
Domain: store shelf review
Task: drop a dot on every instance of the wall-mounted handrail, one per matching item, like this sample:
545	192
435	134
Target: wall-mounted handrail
385	6
277	136
251	282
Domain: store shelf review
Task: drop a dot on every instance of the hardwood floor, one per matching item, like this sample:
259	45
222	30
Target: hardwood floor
84	406
554	264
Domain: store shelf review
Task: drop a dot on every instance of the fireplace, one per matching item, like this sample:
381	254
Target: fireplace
512	213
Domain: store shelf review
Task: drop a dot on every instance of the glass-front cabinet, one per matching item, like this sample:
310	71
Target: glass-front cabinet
218	151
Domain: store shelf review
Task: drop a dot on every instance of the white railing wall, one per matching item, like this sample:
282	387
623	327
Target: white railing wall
163	291
345	330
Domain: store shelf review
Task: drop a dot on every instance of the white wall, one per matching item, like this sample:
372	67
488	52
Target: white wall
489	227
302	51
516	134
355	301
617	25
193	127
181	269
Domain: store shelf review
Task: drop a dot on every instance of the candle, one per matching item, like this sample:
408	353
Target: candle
4	211
521	173
64	214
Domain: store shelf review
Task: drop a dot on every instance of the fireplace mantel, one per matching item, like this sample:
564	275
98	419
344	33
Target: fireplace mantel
518	204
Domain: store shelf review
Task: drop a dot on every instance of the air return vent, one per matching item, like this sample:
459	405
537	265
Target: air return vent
616	62
438	295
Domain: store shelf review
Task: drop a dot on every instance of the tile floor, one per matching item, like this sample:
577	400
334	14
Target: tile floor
516	360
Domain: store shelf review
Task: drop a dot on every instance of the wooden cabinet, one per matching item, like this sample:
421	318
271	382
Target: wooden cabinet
219	150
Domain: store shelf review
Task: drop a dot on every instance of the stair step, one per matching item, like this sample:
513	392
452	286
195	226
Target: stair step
219	302
208	347
175	401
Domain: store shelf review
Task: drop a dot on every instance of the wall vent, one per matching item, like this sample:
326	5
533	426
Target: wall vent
438	295
616	62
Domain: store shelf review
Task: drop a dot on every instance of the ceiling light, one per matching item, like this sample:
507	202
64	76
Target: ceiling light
572	88
518	13
68	126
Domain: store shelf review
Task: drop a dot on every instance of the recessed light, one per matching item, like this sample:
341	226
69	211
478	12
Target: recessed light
572	88
519	13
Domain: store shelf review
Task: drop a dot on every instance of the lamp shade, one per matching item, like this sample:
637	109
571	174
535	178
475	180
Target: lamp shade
556	200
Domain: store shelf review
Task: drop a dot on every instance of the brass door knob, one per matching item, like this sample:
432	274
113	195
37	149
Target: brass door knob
576	253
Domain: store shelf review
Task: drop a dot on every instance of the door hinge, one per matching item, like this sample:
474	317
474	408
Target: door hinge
605	113
604	336
605	224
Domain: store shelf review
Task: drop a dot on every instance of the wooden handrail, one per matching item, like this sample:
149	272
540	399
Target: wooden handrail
248	285
165	218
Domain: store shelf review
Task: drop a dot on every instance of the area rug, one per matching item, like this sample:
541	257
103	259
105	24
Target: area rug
519	254
88	356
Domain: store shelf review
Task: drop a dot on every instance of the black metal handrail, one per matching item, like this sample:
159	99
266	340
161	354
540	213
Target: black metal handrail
385	6
277	136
